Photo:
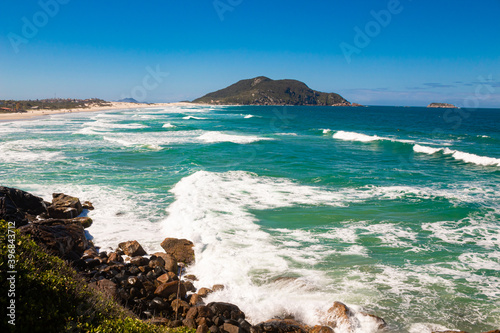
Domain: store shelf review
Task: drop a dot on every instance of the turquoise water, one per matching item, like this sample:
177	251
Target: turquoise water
393	211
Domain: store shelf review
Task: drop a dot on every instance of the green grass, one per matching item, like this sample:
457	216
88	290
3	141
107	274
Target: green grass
51	296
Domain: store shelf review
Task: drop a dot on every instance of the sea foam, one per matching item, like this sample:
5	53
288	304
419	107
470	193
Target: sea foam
459	155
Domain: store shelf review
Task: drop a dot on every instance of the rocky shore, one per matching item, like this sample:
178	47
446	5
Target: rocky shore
157	287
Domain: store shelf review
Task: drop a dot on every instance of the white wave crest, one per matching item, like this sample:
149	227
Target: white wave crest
193	117
353	136
459	155
168	125
214	137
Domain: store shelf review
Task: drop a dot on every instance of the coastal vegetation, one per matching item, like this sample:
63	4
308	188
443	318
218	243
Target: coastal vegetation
52	297
7	106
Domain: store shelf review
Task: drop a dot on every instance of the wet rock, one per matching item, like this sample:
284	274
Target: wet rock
132	248
166	289
191	277
204	292
180	249
281	326
245	325
85	221
156	261
321	329
378	321
195	299
189	286
113	256
217	287
62	238
139	261
450	332
87	205
19	206
170	263
226	310
339	315
64	206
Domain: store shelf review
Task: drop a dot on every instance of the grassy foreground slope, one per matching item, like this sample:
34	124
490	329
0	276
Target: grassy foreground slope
51	297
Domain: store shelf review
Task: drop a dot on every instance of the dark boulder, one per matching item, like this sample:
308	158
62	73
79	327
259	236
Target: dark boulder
281	326
63	238
226	310
64	206
170	263
19	206
169	288
180	249
132	248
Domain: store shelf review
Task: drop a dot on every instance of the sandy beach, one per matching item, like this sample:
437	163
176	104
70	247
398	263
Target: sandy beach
114	106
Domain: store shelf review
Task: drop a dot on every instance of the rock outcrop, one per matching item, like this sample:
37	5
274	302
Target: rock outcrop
342	317
180	249
132	248
441	105
64	238
64	206
19	206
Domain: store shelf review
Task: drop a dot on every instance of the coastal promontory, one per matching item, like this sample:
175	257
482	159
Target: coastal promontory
265	91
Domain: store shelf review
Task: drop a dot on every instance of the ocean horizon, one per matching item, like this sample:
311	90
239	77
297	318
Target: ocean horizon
393	211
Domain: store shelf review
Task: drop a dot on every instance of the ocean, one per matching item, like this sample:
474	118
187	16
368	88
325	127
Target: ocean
394	211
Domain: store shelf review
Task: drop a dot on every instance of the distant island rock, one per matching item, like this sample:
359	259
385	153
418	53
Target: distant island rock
441	105
265	91
129	100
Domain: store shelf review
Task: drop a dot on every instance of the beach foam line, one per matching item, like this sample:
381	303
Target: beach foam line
459	155
214	211
360	137
215	137
193	117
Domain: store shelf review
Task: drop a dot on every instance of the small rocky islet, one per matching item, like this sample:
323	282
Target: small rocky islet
156	287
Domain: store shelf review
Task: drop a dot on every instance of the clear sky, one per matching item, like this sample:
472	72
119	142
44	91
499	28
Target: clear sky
372	52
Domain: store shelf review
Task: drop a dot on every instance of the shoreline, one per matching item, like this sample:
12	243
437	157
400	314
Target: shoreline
14	116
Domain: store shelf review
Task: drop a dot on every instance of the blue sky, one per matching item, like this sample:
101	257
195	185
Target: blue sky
371	52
